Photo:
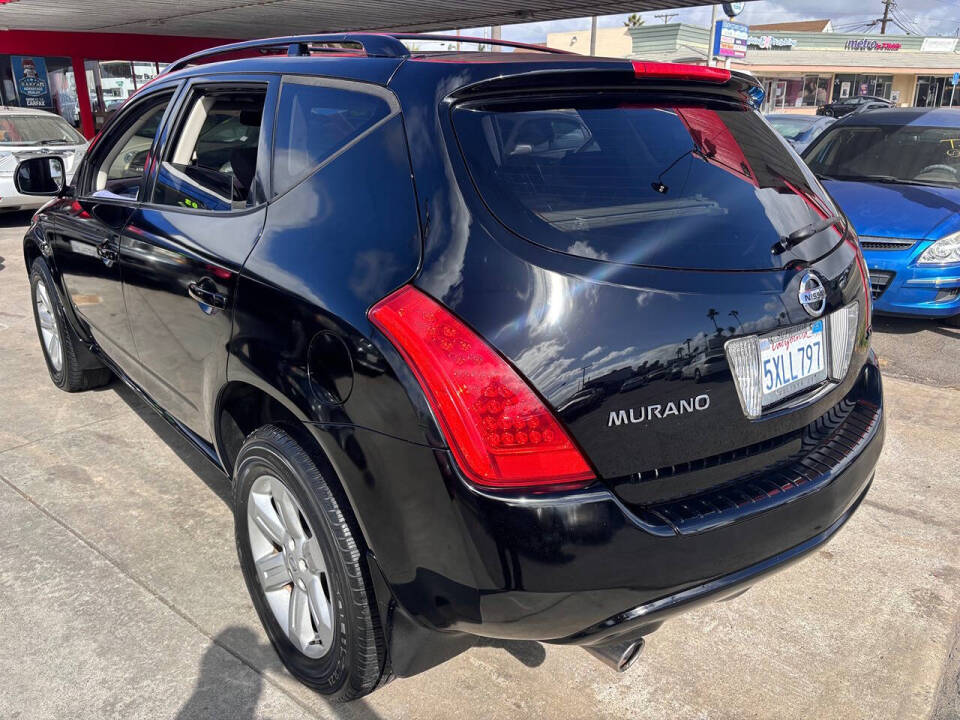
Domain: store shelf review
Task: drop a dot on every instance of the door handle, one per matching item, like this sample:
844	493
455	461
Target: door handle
107	251
202	291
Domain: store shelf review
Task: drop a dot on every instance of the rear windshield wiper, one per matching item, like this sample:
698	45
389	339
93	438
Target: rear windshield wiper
808	231
890	180
883	179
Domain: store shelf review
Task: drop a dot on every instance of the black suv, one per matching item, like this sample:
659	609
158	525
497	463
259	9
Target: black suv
501	344
859	103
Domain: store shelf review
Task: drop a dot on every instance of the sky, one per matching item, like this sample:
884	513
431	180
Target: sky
923	17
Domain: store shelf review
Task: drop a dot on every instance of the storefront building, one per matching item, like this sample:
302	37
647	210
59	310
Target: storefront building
802	70
83	76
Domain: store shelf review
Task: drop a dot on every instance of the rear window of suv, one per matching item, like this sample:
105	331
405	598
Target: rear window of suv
675	184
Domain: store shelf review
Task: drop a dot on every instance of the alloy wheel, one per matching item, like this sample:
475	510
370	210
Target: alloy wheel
290	566
49	331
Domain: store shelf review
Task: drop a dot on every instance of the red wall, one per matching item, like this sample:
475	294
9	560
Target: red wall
100	46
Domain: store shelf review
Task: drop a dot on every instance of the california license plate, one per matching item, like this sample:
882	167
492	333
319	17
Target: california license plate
792	361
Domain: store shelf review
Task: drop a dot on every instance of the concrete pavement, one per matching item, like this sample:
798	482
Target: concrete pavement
120	593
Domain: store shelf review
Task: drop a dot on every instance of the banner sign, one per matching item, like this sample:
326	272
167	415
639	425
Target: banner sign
769	42
730	39
939	44
30	76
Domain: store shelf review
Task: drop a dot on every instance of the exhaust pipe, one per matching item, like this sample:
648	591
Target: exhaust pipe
617	655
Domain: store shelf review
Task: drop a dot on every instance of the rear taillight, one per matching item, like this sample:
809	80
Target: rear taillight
679	71
500	432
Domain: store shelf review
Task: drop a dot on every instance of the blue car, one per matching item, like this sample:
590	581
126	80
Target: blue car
896	174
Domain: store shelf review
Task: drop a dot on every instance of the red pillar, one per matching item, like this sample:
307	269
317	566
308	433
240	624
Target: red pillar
83	96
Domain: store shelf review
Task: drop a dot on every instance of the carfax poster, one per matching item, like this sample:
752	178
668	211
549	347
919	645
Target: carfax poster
33	86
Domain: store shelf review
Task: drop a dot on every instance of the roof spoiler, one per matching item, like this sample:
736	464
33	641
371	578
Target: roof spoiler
620	75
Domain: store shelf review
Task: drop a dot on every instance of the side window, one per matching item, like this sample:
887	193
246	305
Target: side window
117	168
211	161
314	122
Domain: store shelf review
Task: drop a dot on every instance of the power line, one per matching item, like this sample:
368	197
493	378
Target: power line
666	16
910	24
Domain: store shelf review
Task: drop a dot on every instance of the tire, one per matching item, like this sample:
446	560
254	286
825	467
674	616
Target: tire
952	321
697	377
71	366
346	659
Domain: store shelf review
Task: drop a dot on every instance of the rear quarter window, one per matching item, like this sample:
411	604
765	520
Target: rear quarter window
316	121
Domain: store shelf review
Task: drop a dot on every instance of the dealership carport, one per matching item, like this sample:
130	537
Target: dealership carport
92	58
245	19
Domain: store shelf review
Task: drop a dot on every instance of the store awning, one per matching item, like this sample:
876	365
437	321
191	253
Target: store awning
246	19
890	63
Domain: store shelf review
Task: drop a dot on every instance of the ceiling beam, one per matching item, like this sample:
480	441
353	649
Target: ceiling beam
241	19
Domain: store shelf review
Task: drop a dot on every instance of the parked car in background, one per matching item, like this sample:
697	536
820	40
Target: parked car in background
706	363
24	133
799	130
845	106
896	174
397	295
871	105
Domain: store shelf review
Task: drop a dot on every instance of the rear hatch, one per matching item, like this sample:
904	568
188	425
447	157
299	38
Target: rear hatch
669	199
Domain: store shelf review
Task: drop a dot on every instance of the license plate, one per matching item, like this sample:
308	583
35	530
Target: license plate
792	361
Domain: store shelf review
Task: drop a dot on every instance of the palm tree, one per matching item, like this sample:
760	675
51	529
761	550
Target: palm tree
712	314
634	20
734	313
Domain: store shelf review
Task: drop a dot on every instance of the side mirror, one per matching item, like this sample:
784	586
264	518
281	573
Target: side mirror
40	176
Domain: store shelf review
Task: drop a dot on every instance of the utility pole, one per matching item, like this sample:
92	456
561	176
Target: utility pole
886	16
593	35
712	35
495	35
666	16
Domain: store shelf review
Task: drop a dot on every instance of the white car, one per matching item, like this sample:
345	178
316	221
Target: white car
24	133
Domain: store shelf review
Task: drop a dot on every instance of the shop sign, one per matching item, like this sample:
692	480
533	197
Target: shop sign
33	86
867	44
768	42
732	9
939	44
730	39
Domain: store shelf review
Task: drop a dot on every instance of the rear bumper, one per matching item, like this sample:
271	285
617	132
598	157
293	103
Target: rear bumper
583	568
636	621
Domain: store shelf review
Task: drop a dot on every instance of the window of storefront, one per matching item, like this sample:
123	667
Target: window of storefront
797	92
41	82
845	86
110	82
934	91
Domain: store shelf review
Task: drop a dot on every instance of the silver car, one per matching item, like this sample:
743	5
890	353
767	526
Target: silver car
800	130
24	133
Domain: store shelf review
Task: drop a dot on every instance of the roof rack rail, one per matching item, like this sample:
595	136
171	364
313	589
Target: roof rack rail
373	44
